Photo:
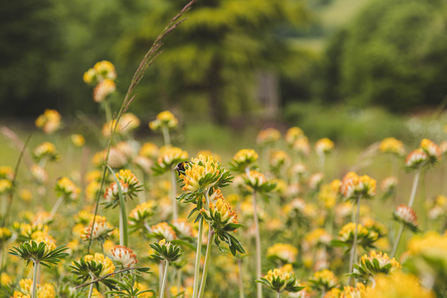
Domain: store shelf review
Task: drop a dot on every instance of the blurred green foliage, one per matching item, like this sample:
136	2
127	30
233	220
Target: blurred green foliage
392	54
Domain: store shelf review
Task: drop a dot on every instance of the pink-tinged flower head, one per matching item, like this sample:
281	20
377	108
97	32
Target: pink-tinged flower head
406	215
416	158
124	256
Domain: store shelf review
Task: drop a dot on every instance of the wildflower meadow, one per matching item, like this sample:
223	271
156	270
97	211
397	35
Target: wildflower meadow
129	218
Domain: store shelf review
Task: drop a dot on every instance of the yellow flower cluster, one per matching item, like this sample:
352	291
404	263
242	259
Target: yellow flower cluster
164	119
6	172
5	186
392	145
293	134
398	285
430	242
383	260
353	186
101	71
196	170
107	264
149	150
49	121
268	136
78	140
285	252
324	146
66	188
127	123
170	155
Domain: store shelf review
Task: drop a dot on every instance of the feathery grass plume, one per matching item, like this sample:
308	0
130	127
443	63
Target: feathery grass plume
148	59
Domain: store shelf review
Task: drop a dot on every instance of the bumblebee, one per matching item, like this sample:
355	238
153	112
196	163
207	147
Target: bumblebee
180	167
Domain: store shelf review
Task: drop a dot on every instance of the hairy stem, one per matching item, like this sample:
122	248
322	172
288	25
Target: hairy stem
57	205
354	242
207	262
258	245
36	267
396	244
241	279
165	277
414	187
197	262
166	136
174	194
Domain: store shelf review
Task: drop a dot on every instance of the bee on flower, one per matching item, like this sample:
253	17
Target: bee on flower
293	134
169	157
284	253
124	256
49	121
102	230
392	145
46	151
243	159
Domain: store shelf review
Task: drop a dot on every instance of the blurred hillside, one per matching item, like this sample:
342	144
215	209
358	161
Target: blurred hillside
230	59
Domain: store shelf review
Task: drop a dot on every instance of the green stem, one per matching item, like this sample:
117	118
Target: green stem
57	205
90	291
123	216
241	279
354	243
258	246
414	187
166	136
107	110
279	295
322	158
174	194
197	262
165	277
207	262
36	266
399	235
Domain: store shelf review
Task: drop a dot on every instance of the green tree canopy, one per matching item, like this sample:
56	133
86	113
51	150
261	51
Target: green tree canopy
209	63
393	54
